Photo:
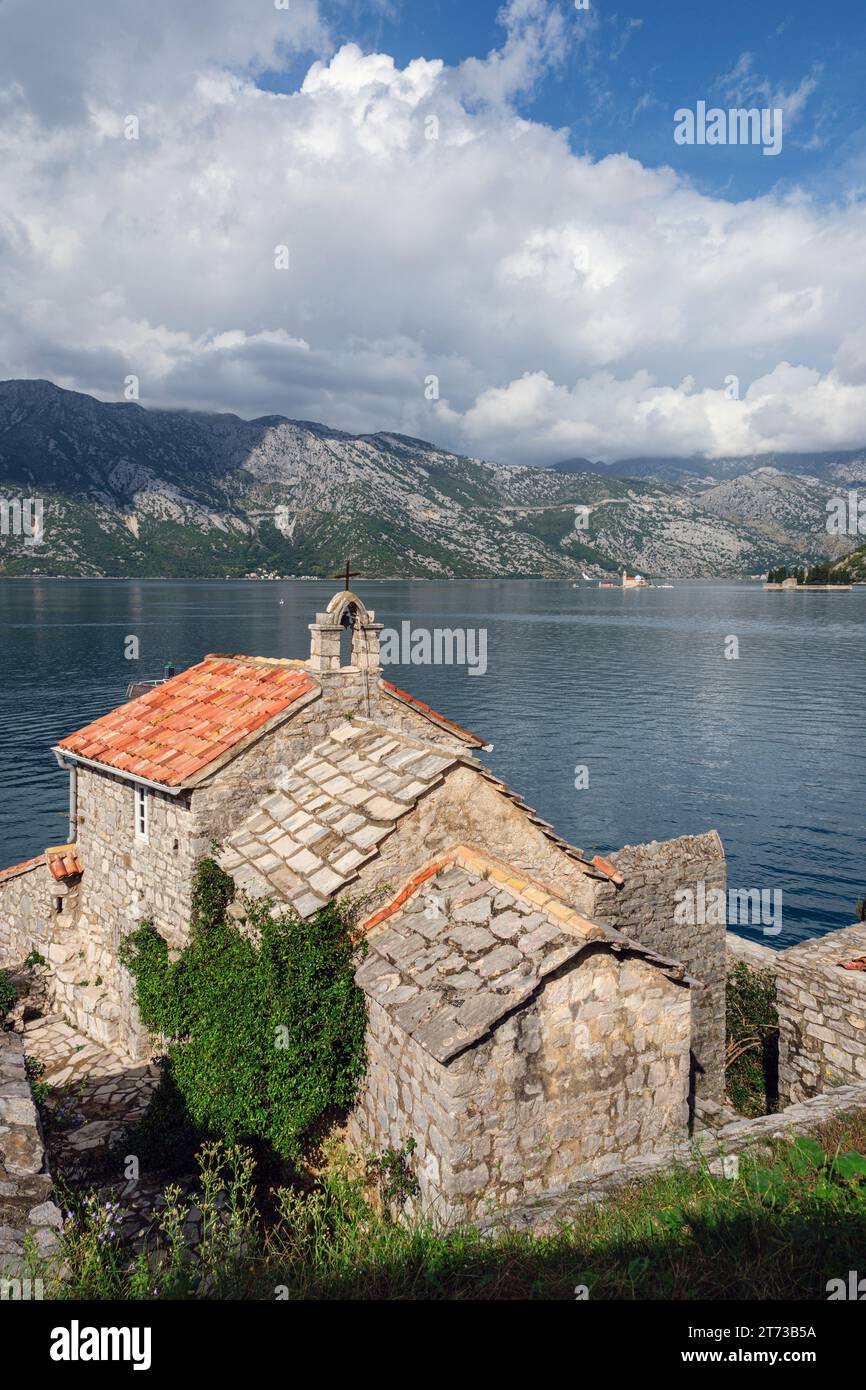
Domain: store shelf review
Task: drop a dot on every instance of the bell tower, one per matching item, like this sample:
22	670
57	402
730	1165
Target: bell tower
355	683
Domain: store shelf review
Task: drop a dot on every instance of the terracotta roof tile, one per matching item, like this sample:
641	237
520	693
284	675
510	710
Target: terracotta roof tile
25	864
179	727
63	861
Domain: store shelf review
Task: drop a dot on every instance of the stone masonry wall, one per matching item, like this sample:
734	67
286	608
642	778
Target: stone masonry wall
643	909
26	913
468	809
221	801
593	1069
125	880
27	1207
38	913
822	1015
822	1010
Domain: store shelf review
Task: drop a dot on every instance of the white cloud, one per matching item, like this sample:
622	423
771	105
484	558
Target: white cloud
746	87
567	306
536	40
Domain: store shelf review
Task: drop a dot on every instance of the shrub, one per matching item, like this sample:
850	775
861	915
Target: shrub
264	1028
751	1056
788	1223
8	994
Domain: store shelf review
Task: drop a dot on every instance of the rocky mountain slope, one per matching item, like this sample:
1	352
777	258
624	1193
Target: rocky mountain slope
129	491
853	567
845	466
784	505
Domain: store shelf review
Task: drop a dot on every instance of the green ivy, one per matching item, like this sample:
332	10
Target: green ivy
8	994
264	1027
212	891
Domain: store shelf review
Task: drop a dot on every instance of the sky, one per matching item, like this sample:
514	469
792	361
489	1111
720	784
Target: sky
477	223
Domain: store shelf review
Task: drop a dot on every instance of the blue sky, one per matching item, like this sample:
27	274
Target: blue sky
629	67
456	219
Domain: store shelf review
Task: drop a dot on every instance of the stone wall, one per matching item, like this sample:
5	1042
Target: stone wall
822	1015
643	909
468	809
822	1010
594	1068
27	1208
84	981
750	952
711	1146
398	715
125	880
26	912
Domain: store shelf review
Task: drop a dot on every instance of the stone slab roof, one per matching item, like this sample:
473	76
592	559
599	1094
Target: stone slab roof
184	725
306	840
465	735
467	941
457	956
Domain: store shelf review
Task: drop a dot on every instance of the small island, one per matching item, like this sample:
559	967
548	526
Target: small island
811	578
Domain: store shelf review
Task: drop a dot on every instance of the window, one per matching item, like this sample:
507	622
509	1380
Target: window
142	813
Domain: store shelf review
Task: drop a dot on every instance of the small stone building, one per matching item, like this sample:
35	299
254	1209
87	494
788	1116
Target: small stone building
319	777
521	1046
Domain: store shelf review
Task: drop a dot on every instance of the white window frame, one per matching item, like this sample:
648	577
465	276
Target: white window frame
142	813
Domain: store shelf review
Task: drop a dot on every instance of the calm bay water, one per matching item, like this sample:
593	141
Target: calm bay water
768	749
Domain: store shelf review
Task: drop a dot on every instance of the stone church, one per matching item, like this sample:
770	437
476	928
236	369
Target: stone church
535	1016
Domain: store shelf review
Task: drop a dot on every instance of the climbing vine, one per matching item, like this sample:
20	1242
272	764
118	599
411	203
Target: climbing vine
8	994
264	1028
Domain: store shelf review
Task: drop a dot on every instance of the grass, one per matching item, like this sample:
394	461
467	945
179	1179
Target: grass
792	1219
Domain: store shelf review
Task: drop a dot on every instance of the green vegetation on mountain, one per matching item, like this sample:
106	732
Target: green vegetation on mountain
132	492
809	574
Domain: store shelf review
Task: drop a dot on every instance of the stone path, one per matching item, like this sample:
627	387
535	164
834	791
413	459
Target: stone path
95	1093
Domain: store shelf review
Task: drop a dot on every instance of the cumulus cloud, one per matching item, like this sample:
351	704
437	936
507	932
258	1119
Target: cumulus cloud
565	305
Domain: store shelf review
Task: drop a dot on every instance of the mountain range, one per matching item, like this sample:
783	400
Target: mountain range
129	491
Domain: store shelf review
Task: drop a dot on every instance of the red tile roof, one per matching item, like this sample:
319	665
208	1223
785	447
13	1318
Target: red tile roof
181	726
458	729
63	861
25	864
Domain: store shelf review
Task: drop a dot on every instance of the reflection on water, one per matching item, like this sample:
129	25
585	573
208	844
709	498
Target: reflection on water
634	686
